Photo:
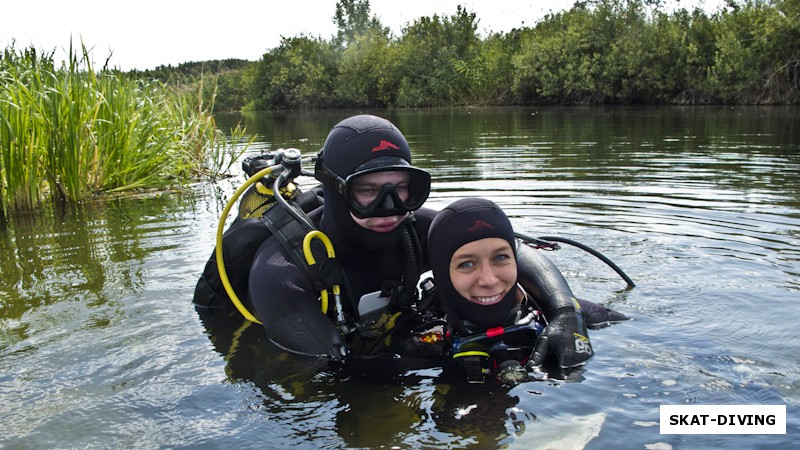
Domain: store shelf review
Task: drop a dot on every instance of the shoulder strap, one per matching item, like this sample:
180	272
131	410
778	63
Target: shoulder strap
290	232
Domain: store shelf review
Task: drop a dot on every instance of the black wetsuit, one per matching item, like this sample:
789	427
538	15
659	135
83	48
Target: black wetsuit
285	301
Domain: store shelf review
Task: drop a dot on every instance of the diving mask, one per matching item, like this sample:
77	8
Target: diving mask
381	187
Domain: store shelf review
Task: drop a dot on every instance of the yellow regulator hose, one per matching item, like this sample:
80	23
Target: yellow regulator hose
223	274
470	353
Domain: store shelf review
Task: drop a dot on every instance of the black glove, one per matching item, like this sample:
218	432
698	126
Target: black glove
567	338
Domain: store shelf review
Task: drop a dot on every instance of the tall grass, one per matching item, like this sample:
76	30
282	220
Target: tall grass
70	132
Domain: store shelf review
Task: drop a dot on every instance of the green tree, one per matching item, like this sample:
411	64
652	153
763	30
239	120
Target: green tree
362	61
620	51
432	58
299	73
599	51
231	94
757	56
562	59
353	19
698	41
364	71
488	73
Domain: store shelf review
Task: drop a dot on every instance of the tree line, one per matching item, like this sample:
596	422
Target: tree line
597	52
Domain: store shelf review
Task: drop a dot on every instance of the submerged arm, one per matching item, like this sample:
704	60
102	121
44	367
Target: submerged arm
289	308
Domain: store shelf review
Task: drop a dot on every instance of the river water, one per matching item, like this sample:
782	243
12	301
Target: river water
100	346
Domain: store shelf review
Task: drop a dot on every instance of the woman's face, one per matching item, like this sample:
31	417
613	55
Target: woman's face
483	271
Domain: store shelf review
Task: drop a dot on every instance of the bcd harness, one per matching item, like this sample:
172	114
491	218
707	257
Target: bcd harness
312	251
308	248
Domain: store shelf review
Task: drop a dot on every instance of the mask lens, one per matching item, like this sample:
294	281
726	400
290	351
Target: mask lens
388	192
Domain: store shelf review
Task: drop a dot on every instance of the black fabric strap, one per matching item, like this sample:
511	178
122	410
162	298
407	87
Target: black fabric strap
290	233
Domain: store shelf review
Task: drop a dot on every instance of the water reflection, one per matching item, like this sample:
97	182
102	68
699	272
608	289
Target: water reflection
742	148
92	253
369	403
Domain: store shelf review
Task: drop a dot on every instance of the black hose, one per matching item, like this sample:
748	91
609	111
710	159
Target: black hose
412	232
411	272
543	241
282	201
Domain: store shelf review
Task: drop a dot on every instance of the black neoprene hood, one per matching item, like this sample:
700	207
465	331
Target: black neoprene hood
358	139
462	222
350	144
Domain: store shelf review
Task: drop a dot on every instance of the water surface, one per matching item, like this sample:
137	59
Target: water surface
100	346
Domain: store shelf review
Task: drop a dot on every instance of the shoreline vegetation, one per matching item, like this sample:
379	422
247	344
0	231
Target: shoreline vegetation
72	132
597	52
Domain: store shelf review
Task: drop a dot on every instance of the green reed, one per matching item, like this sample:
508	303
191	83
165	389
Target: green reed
70	132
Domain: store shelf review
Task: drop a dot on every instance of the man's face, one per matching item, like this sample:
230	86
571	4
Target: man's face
365	190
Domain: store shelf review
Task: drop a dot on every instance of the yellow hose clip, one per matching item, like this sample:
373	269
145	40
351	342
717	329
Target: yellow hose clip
326	242
470	353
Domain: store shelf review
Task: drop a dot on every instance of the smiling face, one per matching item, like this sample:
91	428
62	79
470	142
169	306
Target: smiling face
483	271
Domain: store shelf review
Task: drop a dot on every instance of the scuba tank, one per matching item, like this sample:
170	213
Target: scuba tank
260	196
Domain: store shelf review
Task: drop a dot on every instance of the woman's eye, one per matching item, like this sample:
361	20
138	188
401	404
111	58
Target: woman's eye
465	265
502	258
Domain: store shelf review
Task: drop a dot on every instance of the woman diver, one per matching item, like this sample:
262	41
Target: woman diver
494	292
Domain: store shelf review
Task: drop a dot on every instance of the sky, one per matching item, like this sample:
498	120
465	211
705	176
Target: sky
144	34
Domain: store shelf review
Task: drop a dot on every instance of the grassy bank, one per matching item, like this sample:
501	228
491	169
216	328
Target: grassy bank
71	132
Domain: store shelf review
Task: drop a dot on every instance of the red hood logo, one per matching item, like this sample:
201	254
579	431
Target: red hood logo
385	145
480	225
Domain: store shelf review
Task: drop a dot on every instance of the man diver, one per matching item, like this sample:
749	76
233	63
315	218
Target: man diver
372	199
